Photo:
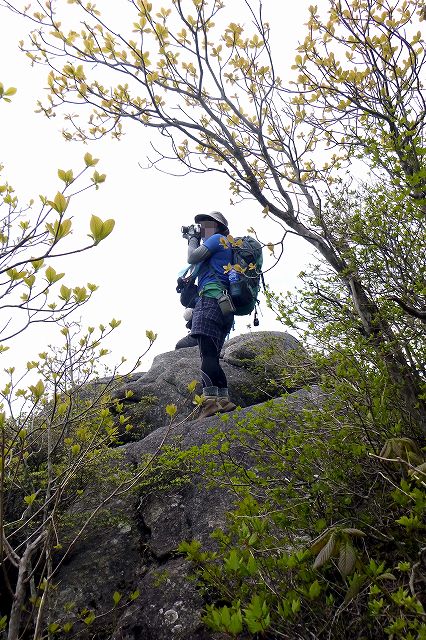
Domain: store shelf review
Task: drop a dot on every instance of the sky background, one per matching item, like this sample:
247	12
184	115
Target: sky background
149	207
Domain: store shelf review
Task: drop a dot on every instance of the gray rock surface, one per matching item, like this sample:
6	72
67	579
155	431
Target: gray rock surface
250	361
132	545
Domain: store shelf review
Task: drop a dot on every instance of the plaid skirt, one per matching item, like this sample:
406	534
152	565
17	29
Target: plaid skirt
208	320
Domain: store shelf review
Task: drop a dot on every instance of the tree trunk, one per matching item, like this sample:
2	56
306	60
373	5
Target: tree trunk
19	596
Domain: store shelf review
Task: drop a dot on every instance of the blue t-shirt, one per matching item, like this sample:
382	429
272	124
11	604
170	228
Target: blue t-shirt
220	257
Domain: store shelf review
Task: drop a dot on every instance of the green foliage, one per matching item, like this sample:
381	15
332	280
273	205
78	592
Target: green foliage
57	432
28	240
60	467
100	230
5	93
279	566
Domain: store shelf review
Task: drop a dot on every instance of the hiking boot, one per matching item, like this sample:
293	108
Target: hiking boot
224	401
210	407
226	405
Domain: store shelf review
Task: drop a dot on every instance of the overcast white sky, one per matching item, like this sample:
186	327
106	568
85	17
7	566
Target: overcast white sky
149	207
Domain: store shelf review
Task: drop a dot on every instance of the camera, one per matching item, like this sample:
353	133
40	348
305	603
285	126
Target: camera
193	230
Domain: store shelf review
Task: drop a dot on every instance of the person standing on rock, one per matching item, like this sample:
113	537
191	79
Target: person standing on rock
212	319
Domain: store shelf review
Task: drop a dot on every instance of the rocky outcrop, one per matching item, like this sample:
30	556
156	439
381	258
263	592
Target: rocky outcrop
135	550
254	365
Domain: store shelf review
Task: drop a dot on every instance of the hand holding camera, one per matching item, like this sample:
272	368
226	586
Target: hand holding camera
193	231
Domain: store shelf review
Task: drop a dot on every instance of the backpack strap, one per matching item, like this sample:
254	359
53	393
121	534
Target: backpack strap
193	274
219	282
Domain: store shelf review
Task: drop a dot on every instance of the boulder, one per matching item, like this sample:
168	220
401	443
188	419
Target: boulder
255	365
136	550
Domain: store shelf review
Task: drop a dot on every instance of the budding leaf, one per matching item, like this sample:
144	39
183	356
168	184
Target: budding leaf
80	294
37	390
100	230
66	176
191	386
90	162
52	276
65	293
171	410
59	203
37	263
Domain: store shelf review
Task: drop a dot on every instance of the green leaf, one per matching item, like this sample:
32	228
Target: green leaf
63	229
30	499
65	293
98	178
235	625
52	276
253	538
90	618
37	390
14	274
314	590
108	226
232	562
60	203
62	408
116	597
355	586
295	605
256	615
89	160
252	566
37	264
66	176
192	386
411	522
100	230
29	281
80	294
171	410
134	594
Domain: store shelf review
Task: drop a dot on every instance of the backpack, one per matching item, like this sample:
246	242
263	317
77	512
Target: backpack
244	282
187	288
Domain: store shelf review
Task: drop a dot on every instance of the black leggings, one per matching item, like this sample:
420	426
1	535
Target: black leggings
212	373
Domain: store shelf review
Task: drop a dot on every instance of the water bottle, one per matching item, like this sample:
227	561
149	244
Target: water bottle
233	276
234	284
